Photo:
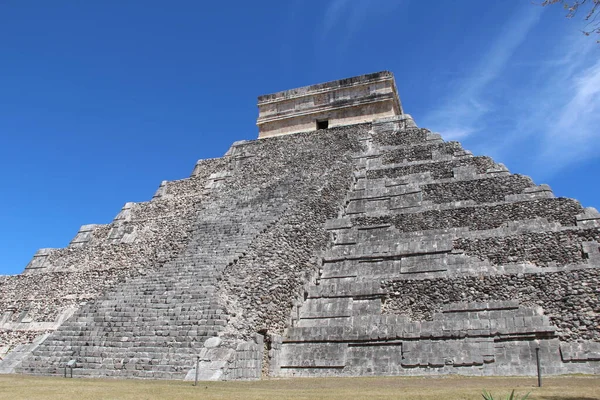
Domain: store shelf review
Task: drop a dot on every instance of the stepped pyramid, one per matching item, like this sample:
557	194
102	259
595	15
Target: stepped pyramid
344	241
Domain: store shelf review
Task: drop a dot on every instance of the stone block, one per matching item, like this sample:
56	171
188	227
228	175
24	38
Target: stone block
39	261
338	223
465	173
326	308
311	355
83	236
212	342
580	351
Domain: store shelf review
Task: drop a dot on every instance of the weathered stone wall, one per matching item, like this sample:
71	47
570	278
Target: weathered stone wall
540	248
481	190
438	170
43	298
479	218
419	152
338	114
409	136
570	299
344	102
10	338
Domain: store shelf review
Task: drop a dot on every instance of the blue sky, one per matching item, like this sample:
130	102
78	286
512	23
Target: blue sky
101	101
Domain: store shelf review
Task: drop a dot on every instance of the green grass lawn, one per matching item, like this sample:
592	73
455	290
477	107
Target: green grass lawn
563	387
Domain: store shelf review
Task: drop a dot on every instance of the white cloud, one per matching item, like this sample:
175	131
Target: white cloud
540	110
542	113
333	14
348	16
558	114
457	133
570	133
461	113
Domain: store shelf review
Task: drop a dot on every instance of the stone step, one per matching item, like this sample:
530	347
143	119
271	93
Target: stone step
444	169
405	137
477	191
474	217
418	152
444	329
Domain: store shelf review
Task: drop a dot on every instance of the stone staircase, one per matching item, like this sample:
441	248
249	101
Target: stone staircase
11	360
440	264
154	325
158	321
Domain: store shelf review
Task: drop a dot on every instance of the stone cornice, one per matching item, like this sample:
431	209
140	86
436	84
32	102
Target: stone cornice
325	108
325	87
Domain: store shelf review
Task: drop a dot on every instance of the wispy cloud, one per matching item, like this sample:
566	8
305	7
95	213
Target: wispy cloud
343	18
460	114
566	119
542	114
553	121
334	13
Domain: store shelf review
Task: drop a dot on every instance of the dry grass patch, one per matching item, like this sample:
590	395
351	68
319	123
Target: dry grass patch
564	387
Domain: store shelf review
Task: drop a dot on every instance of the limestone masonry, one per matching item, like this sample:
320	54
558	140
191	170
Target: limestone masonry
344	241
328	105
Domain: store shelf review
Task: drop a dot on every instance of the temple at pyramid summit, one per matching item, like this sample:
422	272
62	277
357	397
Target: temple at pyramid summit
346	102
344	241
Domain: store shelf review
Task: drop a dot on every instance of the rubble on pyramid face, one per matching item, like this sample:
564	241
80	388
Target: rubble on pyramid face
314	171
569	298
409	137
539	248
438	170
42	298
489	190
10	339
481	217
421	152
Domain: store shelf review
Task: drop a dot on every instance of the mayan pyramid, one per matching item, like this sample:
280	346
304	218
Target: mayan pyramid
344	241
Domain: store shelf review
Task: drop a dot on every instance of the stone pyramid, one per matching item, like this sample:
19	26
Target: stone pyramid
344	241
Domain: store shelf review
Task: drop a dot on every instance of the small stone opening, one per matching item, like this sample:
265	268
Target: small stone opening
266	354
322	124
